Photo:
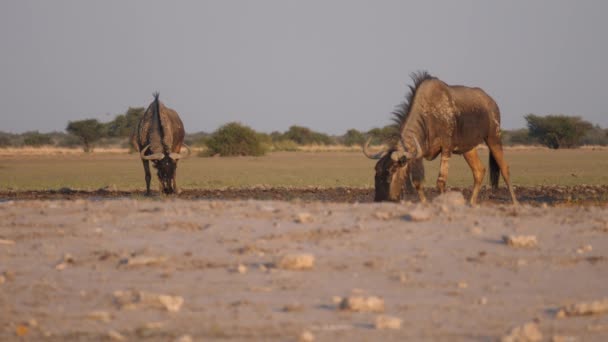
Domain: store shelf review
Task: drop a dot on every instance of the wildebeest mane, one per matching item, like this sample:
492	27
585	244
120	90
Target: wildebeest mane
156	116
402	110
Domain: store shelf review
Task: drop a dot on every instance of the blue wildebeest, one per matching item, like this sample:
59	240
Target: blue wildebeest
159	137
441	119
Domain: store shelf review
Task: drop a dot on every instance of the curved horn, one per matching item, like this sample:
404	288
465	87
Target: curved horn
176	156
156	156
368	154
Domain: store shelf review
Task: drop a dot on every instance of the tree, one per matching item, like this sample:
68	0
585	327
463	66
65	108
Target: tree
557	131
353	137
235	139
89	131
124	124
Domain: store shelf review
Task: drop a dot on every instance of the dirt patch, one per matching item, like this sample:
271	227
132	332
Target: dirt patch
167	268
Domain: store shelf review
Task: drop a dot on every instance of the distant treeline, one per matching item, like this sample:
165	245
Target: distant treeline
553	131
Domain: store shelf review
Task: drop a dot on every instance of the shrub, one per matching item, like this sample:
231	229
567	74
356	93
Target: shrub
306	136
595	136
353	137
36	139
518	137
388	134
285	145
70	141
557	131
198	139
5	141
234	139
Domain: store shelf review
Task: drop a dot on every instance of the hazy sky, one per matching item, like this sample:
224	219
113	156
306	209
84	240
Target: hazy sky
326	64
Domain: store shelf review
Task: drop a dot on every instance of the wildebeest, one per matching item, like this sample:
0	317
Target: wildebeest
159	137
444	119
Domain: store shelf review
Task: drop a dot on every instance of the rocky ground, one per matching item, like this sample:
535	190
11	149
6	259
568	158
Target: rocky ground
175	269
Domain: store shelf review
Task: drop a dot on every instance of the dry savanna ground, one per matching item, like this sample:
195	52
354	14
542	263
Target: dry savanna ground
287	247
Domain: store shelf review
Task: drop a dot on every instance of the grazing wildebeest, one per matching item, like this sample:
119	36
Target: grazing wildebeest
387	169
159	137
444	119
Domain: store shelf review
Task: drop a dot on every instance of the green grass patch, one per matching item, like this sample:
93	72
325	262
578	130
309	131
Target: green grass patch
298	169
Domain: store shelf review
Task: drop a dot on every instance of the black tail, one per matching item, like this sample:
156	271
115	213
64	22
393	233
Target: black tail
494	172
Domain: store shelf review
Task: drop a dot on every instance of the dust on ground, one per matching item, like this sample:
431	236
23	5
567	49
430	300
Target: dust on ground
169	269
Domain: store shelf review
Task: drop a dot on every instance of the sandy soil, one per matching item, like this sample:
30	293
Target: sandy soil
118	269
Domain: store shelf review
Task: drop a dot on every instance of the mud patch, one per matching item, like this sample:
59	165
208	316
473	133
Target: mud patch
548	195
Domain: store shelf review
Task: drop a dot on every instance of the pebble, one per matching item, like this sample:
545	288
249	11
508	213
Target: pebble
296	262
133	299
584	309
103	316
387	322
183	338
520	241
116	336
306	336
418	215
362	304
528	332
303	218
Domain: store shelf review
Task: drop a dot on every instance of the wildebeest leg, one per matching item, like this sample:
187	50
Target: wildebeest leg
496	150
409	186
443	171
174	180
478	170
416	173
148	176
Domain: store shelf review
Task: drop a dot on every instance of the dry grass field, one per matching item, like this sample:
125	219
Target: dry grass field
529	167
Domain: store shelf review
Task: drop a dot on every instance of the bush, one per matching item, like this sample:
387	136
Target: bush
388	134
518	137
557	131
276	136
198	139
353	137
70	141
5	141
595	136
285	145
234	139
36	139
306	136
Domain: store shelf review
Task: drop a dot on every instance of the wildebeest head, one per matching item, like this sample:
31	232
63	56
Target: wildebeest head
165	164
391	172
